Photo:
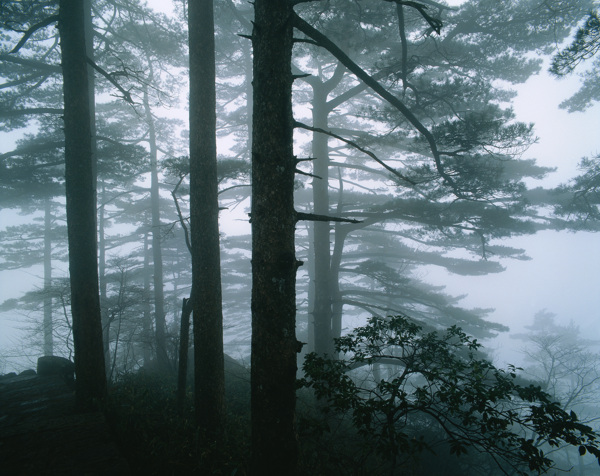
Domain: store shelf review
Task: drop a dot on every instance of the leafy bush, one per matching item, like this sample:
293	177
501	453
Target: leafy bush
439	384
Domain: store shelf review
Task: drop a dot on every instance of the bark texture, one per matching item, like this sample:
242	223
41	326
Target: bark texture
204	210
81	208
274	345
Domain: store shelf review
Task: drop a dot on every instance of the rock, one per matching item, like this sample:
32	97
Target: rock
27	373
54	365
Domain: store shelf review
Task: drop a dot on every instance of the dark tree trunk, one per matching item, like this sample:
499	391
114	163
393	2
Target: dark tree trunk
184	343
274	265
209	376
81	208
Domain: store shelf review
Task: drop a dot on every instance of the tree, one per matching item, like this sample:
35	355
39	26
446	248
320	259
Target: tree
474	178
204	207
579	199
585	46
566	366
130	41
81	208
440	380
273	218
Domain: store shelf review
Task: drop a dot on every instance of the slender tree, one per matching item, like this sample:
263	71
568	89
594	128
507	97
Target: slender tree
81	207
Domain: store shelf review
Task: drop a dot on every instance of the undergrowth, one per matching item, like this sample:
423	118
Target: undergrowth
157	440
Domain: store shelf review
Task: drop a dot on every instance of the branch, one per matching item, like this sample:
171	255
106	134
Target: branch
180	215
30	149
35	64
314	217
24	80
433	22
361	74
32	29
356	146
33	110
108	76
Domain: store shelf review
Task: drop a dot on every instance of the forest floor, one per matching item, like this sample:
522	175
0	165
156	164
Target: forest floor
41	433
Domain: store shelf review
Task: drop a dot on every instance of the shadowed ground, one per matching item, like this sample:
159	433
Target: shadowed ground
42	434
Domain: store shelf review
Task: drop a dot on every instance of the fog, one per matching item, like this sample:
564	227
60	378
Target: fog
419	192
560	277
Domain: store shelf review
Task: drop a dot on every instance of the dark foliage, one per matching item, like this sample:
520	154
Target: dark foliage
439	386
157	440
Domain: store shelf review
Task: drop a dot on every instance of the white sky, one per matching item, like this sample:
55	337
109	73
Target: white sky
564	273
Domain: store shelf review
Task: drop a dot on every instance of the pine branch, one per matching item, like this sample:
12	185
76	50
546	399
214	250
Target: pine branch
30	63
356	146
361	74
314	217
38	26
108	76
180	215
28	111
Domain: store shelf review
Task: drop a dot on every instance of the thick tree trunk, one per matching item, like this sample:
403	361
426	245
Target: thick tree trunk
204	212
81	208
274	265
159	295
47	323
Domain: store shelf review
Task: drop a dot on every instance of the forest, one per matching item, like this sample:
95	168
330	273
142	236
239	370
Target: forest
232	208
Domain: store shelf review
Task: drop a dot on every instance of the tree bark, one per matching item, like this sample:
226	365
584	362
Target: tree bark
274	265
81	208
209	374
184	343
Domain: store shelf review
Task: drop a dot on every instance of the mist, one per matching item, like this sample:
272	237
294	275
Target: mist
431	169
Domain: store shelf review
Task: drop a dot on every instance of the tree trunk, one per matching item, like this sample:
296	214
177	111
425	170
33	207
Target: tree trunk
81	208
184	343
209	374
102	279
274	265
47	323
159	295
320	150
147	317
